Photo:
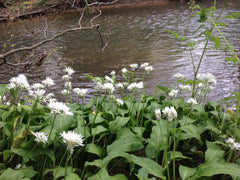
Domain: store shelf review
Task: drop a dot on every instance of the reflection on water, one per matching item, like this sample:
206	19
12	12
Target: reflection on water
138	35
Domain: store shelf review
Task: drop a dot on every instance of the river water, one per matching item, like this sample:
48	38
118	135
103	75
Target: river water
138	35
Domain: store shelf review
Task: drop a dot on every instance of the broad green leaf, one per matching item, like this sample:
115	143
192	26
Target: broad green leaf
34	155
11	174
178	156
97	162
84	131
186	172
214	168
157	138
103	175
96	119
72	176
138	130
213	155
92	148
59	171
98	130
186	120
118	123
126	141
191	131
149	165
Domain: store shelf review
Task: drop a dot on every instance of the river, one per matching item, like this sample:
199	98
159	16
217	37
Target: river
138	35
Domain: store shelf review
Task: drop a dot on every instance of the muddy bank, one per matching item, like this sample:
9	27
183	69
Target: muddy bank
10	11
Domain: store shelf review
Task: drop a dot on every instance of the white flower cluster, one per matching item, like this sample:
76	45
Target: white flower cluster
187	88
173	93
207	78
59	108
232	144
119	102
133	66
67	78
80	92
179	76
135	86
158	114
19	82
38	90
40	137
192	101
171	113
72	140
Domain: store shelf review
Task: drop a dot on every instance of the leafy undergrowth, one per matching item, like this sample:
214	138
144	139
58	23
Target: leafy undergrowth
135	136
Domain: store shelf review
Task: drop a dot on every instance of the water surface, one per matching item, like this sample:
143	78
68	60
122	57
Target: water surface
138	35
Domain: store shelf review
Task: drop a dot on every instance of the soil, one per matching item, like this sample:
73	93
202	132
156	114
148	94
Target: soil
11	10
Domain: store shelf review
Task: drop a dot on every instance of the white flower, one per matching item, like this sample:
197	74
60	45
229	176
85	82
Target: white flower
37	86
207	78
144	65
173	93
109	87
80	92
148	69
66	77
200	85
210	88
124	70
38	93
2	99
232	143
109	79
170	113
19	166
98	86
192	101
20	81
133	66
113	73
120	85
64	92
68	85
158	114
40	137
185	87
119	102
50	96
69	71
48	82
72	140
59	108
135	86
179	76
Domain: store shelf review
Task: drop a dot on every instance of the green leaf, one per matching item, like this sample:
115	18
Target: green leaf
126	141
178	156
98	130
214	168
59	171
186	172
11	174
72	176
97	120
149	165
84	131
92	148
213	155
191	131
157	138
118	123
97	163
103	175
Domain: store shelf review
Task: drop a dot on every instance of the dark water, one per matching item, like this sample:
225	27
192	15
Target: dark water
138	35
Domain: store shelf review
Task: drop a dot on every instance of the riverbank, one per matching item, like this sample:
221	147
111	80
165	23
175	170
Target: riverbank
10	11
